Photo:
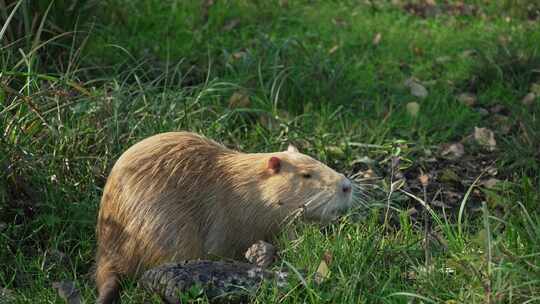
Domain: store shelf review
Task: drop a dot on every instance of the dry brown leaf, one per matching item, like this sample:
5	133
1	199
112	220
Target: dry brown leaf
454	151
239	100
424	180
485	137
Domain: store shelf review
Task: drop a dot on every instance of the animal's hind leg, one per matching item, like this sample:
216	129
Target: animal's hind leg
108	282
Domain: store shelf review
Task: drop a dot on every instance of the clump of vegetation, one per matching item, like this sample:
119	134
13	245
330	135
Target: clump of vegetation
423	104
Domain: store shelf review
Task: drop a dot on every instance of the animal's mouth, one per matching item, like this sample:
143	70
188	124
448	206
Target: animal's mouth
328	207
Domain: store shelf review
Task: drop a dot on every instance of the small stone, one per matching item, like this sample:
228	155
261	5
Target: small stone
261	254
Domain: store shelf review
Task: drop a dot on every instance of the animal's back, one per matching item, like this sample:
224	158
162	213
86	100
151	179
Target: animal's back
151	208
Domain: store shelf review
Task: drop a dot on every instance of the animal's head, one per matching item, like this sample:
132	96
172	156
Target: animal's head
295	182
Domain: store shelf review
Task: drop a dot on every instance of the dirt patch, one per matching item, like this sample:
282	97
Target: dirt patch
441	178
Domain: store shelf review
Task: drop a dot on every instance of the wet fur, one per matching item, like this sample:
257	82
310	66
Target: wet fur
180	196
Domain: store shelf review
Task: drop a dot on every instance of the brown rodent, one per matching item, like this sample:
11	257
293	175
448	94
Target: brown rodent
180	196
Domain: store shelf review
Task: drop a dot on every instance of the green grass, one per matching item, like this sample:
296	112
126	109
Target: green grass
148	66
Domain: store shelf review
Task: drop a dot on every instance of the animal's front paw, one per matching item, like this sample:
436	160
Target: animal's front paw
261	254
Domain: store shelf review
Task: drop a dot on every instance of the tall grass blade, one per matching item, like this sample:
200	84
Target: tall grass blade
5	27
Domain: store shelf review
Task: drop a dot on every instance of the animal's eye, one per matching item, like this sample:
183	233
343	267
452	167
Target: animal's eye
306	175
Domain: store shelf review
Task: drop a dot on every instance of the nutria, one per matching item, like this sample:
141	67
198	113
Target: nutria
180	196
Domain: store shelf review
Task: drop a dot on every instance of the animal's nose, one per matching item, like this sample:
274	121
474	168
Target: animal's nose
346	186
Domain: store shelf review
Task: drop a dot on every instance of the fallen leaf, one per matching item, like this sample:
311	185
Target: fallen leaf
535	88
335	152
485	137
418	51
483	112
323	272
327	257
528	99
231	24
443	59
468	53
439	204
490	183
55	257
416	88
503	123
284	3
496	109
467	99
239	100
448	175
369	174
333	49
339	22
377	39
424	180
453	151
67	291
413	108
238	55
7	295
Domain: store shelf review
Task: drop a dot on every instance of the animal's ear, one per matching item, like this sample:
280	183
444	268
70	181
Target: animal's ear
292	148
274	164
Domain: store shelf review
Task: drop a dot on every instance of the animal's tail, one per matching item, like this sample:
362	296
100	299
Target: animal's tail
107	281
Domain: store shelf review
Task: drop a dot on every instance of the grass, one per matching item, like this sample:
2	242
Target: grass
313	76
